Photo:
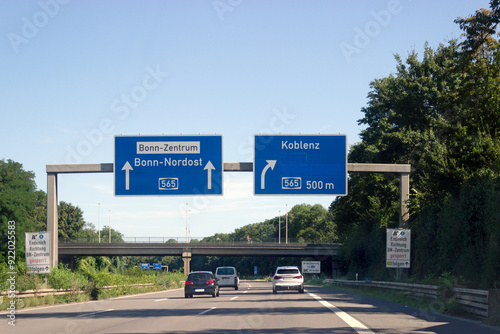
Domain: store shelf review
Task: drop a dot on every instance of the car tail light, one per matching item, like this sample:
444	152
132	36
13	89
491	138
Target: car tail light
211	282
277	277
298	277
189	283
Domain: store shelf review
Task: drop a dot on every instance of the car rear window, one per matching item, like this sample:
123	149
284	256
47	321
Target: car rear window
225	271
199	277
288	271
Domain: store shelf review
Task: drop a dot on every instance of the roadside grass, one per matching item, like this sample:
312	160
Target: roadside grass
85	285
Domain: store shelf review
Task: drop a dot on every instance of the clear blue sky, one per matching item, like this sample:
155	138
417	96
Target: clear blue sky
76	73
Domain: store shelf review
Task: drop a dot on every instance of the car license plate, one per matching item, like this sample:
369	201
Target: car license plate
225	277
199	290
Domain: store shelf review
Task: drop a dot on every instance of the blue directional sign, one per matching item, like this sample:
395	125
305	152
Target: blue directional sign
145	265
168	165
157	266
300	165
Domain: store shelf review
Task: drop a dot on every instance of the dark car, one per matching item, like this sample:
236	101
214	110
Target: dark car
201	283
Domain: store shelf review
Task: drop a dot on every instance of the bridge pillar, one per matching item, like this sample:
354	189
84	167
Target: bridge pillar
186	257
335	268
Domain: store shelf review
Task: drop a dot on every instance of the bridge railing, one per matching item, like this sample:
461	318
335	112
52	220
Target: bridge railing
211	240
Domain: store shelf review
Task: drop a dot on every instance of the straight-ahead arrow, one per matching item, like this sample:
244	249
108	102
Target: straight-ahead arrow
127	169
270	164
209	167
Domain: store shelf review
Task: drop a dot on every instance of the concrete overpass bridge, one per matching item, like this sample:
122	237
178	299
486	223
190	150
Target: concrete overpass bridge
187	250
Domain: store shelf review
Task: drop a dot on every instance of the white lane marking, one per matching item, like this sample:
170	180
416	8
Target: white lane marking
160	300
245	291
348	319
206	311
94	313
234	298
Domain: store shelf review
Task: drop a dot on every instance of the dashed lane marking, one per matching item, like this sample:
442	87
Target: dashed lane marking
206	311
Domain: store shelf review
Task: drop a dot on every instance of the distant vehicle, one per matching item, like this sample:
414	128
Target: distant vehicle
288	278
201	283
227	276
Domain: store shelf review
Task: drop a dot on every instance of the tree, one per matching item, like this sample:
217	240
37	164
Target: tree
17	200
115	235
70	220
441	114
38	216
311	223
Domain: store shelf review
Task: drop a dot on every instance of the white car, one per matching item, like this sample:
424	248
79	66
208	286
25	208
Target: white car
227	276
288	278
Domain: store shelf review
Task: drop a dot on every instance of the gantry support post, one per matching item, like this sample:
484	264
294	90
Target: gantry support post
52	218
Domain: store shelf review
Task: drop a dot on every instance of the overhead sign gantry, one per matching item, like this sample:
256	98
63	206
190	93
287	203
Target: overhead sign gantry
168	165
142	170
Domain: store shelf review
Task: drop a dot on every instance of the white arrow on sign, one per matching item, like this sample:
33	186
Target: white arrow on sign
209	167
270	164
127	169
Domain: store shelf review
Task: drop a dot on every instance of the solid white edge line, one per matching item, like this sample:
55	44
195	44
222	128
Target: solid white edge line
160	300
206	311
348	319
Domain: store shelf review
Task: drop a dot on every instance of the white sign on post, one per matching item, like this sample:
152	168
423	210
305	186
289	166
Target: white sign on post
398	248
311	267
37	250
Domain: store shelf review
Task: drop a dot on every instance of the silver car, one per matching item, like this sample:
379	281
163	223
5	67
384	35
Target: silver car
227	276
288	278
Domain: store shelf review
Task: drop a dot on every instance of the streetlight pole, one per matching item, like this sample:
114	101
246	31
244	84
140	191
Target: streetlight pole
99	223
109	225
279	227
286	220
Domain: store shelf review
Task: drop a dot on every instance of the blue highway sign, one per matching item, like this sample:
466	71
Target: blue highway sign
300	165
168	165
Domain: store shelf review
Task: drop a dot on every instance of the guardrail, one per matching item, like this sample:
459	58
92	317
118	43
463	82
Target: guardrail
472	301
46	292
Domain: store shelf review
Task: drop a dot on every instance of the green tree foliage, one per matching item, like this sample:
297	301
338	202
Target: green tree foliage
440	114
38	216
116	236
17	200
70	220
311	223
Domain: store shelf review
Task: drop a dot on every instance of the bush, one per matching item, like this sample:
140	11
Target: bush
29	282
64	278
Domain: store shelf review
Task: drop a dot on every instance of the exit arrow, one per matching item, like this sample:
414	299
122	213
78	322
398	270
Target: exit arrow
209	167
127	169
270	164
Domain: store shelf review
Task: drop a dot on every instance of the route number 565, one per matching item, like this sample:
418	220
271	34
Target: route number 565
291	183
168	183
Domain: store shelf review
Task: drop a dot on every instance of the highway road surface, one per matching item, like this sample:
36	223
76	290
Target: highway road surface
251	309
